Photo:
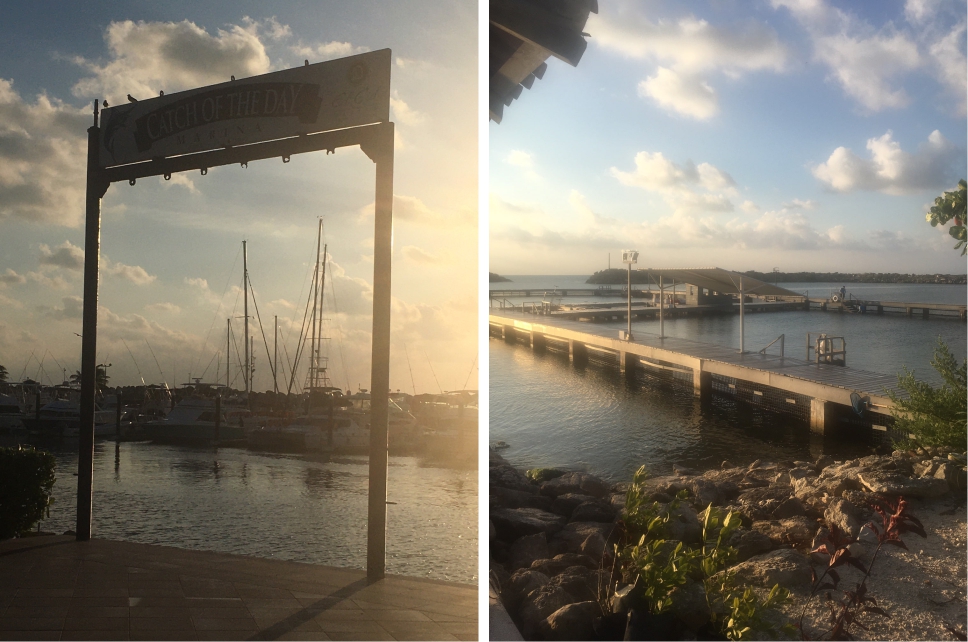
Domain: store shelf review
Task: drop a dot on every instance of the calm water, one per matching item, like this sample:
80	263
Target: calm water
553	414
278	506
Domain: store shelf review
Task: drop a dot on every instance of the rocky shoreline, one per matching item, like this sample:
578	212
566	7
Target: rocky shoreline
552	538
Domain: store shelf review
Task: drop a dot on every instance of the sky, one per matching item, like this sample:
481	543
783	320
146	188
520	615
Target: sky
171	263
805	135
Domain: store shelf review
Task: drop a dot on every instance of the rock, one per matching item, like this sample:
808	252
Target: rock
689	605
684	525
492	532
572	622
503	475
954	474
926	468
573	535
539	475
760	503
896	484
785	567
705	492
822	462
580	582
790	507
525	550
538	605
510	498
796	531
578	483
750	543
847	517
512	523
499	573
594	511
617	501
595	547
669	485
566	504
799	473
519	585
559	563
683	471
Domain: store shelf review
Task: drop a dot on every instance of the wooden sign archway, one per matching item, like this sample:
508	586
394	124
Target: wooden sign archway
338	103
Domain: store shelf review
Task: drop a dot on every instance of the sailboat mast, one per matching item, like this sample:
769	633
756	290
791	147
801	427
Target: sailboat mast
320	378
275	358
228	354
313	350
245	287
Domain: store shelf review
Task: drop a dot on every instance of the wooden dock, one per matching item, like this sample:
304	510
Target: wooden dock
819	392
880	307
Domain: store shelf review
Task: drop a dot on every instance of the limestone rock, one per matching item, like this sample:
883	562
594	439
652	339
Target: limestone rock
784	566
559	563
684	525
525	550
790	507
750	543
689	605
519	585
539	475
565	505
512	523
538	605
760	503
570	538
847	517
572	622
595	547
796	531
594	511
503	475
578	483
509	498
896	484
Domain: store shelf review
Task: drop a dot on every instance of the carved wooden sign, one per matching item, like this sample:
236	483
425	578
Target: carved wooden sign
347	92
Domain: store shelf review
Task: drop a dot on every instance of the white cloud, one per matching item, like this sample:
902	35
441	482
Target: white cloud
148	57
403	113
163	307
72	307
182	180
66	255
328	51
688	94
800	204
687	51
418	255
890	169
40	178
11	278
133	273
524	161
870	62
410	209
686	185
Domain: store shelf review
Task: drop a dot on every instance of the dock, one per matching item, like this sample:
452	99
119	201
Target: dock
880	307
56	588
817	393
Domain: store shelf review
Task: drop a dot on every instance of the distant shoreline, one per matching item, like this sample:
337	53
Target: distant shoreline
616	276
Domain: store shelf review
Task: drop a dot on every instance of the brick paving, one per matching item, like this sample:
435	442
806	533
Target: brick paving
55	588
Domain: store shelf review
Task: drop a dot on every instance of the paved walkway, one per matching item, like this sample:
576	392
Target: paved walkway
55	588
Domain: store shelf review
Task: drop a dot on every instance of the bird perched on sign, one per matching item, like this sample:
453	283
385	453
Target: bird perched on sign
105	104
132	99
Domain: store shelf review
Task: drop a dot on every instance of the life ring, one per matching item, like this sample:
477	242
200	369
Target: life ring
835	298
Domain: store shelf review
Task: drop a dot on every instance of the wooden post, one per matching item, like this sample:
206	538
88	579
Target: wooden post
381	152
821	416
218	417
96	187
117	418
702	383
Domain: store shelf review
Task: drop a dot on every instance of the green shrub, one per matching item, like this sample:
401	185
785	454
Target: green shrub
934	416
26	482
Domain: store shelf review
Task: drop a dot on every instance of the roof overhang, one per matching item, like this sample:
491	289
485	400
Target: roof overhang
715	279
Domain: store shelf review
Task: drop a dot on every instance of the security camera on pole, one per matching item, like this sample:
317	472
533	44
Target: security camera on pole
629	257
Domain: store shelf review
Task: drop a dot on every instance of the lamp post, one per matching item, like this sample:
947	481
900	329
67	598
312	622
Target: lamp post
629	257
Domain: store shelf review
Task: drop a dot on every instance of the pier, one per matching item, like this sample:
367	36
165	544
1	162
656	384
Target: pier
56	588
817	393
880	307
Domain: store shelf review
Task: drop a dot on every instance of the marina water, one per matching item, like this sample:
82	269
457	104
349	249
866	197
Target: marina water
289	507
551	413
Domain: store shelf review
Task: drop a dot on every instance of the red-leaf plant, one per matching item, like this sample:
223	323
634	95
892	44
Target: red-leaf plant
895	521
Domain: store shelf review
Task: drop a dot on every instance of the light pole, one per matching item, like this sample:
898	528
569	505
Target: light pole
629	257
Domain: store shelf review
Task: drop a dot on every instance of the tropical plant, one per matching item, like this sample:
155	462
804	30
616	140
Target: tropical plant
951	206
26	483
846	612
3	375
931	416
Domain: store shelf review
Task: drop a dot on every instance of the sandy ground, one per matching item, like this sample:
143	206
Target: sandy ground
922	589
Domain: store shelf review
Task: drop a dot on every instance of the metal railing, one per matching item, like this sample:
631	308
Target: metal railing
781	340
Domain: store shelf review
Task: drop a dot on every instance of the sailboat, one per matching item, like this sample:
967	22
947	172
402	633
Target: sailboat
323	425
